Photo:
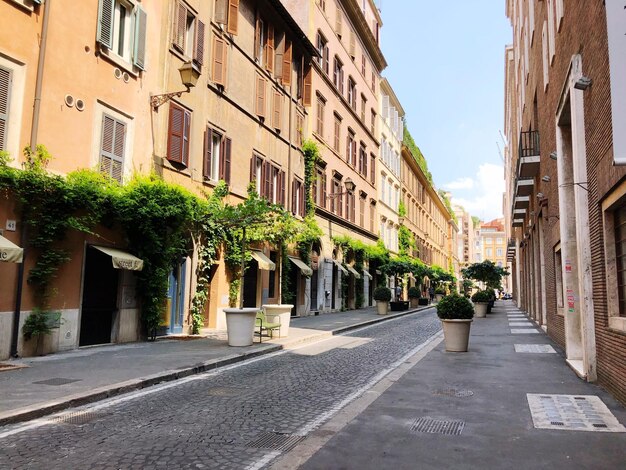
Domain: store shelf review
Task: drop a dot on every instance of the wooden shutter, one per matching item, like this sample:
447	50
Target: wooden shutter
175	133
267	176
302	201
225	169
352	45
260	96
385	106
186	132
104	36
139	53
348	147
339	22
257	35
308	86
219	61
207	154
276	115
5	95
282	192
179	27
324	191
198	48
287	59
253	171
373	170
294	197
233	16
269	50
364	164
221	11
112	147
280	52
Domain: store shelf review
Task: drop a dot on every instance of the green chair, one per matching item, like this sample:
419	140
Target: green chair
264	326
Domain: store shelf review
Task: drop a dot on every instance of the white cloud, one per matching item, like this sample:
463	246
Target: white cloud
461	183
485	201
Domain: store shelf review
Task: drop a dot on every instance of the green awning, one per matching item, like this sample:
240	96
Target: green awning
307	271
10	252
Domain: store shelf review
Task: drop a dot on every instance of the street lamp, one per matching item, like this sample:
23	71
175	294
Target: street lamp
189	75
350	186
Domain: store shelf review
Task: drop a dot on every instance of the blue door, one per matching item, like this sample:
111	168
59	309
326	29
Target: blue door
176	298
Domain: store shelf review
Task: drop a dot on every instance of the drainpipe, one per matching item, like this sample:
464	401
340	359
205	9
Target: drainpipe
33	145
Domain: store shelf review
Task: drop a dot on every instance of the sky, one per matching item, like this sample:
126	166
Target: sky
446	65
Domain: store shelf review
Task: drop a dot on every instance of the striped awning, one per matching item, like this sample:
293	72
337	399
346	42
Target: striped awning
121	259
304	269
264	262
10	252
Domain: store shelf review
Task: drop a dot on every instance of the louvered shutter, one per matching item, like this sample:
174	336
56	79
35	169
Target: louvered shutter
385	106
139	53
257	36
280	52
253	171
276	115
294	197
112	147
226	160
186	132
364	163
269	51
198	48
283	186
348	147
221	11
260	96
219	61
339	22
267	175
302	201
373	170
287	59
106	9
175	134
179	27
5	95
208	150
324	191
352	45
233	16
326	59
308	86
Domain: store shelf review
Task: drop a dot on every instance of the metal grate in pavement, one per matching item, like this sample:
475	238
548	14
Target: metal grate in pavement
453	392
523	331
78	417
56	381
438	426
224	391
534	348
275	441
572	412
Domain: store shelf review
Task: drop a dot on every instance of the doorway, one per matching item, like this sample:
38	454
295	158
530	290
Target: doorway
176	298
250	284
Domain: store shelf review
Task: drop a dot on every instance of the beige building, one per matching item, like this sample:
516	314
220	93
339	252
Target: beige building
466	246
493	243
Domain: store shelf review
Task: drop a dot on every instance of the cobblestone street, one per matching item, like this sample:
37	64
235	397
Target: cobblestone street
218	420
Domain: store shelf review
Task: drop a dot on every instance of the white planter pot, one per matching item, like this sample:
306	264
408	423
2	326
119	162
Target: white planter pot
240	325
275	313
456	334
438	297
382	307
480	309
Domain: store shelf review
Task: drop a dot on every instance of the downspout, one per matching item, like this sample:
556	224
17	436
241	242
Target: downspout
33	144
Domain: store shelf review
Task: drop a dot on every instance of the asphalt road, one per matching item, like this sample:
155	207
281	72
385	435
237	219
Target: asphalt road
243	416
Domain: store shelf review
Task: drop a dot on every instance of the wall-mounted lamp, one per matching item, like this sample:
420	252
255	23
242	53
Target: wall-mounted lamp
553	155
349	184
188	75
583	83
539	195
545	179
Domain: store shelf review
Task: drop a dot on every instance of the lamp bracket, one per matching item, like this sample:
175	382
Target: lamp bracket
158	100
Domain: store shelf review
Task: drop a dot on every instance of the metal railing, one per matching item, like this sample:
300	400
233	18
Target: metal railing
528	144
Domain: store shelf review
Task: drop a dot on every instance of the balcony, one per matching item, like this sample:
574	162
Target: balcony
524	186
521	202
529	154
518	222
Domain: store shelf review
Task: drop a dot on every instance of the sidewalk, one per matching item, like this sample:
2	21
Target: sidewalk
50	383
471	410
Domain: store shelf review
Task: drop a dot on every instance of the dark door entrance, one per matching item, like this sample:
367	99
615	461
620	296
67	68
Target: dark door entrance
99	298
250	284
314	283
175	298
333	294
294	284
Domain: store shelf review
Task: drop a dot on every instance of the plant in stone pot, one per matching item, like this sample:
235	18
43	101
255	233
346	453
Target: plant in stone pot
414	296
481	302
382	296
440	292
40	324
456	313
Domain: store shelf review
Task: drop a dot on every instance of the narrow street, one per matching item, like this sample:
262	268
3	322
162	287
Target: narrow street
219	419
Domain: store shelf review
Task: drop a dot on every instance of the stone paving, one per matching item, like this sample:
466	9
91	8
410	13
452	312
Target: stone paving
210	420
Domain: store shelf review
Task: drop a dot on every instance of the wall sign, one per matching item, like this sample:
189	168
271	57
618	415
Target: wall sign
616	27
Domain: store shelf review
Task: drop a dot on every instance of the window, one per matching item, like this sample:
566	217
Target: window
112	147
218	68
337	133
352	93
362	199
6	78
321	104
277	103
322	49
178	134
299	128
338	75
489	240
217	156
339	22
499	252
373	81
558	277
372	168
298	198
363	106
188	33
499	240
350	198
336	202
372	214
122	31
351	148
363	65
363	160
489	252
270	180
373	122
322	4
227	13
259	39
619	224
260	96
319	187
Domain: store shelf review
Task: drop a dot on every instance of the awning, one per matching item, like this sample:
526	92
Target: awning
264	262
307	271
341	268
367	274
354	272
121	259
10	252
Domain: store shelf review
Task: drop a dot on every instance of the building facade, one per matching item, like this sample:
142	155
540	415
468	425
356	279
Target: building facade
565	178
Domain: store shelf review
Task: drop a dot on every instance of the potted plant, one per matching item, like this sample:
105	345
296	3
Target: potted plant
382	296
481	302
423	301
414	296
39	324
440	292
455	313
492	298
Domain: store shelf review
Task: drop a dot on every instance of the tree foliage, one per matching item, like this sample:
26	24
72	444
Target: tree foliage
486	272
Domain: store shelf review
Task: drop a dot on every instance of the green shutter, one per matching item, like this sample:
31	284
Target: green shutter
106	9
139	54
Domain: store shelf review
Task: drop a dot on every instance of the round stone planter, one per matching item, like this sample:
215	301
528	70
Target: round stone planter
480	309
456	334
382	307
275	313
240	325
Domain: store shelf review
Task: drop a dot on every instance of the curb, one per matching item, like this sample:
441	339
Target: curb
97	394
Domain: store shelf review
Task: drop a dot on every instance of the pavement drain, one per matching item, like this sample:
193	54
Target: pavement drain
572	412
78	417
438	426
453	392
57	381
276	441
223	391
534	348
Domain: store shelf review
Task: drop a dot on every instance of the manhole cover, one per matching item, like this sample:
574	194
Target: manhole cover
523	331
534	348
438	426
276	441
453	392
223	391
572	412
57	381
78	417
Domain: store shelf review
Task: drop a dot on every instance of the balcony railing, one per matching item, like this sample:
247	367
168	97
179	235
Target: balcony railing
528	144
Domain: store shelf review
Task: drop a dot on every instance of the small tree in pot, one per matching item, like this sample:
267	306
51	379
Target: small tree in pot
382	296
414	296
39	324
455	313
481	302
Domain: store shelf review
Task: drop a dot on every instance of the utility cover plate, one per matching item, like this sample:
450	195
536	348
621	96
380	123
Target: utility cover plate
572	412
438	426
523	331
78	417
534	348
453	392
57	381
275	441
